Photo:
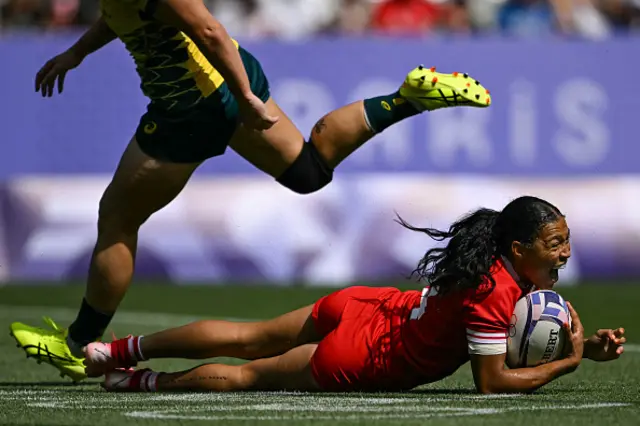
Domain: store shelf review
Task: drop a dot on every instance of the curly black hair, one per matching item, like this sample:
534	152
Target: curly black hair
477	240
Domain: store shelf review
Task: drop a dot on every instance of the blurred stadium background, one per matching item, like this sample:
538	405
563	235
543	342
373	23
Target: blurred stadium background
564	80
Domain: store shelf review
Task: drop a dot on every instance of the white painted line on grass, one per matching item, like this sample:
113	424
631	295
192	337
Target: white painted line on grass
44	405
492	396
304	399
299	399
423	412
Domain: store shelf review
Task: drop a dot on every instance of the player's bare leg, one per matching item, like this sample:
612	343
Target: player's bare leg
245	340
140	187
335	136
207	339
307	167
289	371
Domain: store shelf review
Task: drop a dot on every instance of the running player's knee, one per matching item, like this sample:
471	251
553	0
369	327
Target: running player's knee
308	173
115	216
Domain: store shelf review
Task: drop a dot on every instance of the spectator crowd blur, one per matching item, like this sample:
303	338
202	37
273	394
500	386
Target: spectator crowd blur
295	19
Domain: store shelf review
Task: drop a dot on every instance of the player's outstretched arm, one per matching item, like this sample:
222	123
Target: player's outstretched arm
56	68
491	376
96	37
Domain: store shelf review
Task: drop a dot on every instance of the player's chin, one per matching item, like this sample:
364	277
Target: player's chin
547	279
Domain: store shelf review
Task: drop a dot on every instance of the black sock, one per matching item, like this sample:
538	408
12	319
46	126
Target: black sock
89	325
384	111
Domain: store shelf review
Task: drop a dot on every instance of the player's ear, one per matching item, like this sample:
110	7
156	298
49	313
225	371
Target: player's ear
517	250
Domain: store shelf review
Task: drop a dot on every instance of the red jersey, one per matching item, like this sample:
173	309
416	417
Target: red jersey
436	334
387	339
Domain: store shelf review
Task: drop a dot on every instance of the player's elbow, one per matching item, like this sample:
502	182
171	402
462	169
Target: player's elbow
487	388
486	391
209	33
502	385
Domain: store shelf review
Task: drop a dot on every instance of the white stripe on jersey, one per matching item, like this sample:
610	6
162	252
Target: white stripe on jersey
480	338
486	341
487	349
486	335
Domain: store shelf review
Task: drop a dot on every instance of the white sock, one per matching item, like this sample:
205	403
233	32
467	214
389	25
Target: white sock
149	381
135	348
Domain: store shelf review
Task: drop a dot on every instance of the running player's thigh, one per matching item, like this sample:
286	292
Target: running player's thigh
289	371
272	150
142	185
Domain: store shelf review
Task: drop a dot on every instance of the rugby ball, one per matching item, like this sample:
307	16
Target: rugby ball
536	335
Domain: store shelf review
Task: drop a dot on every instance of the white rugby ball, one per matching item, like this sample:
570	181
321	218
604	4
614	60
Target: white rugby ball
536	335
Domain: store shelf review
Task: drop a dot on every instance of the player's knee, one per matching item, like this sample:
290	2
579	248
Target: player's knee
255	341
115	216
308	173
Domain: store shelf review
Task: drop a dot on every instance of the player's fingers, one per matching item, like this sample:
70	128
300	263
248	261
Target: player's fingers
52	83
620	350
47	81
61	81
567	329
620	341
49	88
269	123
38	80
605	332
575	319
42	84
265	122
618	332
45	85
42	73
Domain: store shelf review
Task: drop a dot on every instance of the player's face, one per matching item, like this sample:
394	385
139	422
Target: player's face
550	251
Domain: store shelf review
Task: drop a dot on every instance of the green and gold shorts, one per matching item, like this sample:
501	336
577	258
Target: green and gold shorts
202	131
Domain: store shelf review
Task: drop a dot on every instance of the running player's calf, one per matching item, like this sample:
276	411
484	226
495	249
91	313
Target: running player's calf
339	133
141	186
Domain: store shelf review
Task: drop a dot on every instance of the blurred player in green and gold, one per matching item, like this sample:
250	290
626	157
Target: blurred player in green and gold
206	93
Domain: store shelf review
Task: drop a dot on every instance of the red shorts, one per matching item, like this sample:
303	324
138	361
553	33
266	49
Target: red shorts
353	352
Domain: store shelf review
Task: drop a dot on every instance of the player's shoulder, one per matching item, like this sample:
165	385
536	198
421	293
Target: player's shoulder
504	286
489	307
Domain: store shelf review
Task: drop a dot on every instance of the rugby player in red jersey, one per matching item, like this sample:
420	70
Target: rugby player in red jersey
385	339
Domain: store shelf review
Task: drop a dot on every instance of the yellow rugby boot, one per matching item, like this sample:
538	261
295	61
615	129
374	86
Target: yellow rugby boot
49	346
429	90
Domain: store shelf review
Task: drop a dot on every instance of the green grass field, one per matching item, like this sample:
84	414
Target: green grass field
597	394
